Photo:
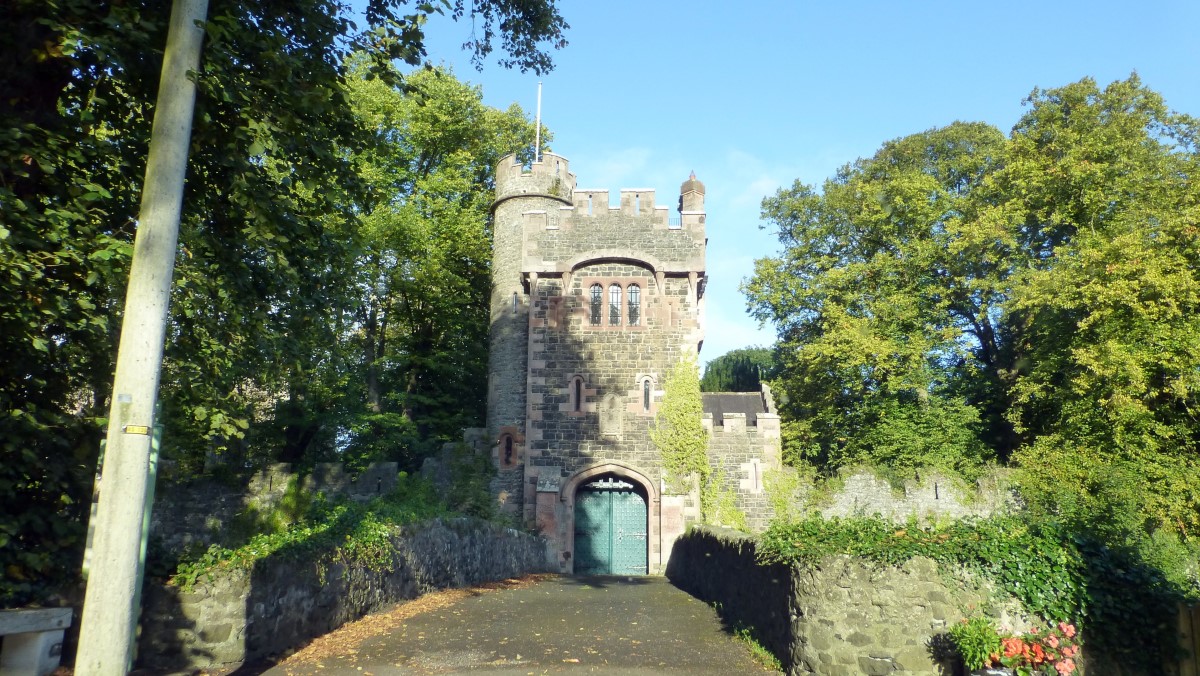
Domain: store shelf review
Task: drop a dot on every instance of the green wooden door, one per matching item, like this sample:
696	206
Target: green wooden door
610	529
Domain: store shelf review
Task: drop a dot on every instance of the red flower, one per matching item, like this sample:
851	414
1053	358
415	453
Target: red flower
1013	646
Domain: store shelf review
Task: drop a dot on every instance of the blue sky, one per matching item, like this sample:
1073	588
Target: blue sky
755	95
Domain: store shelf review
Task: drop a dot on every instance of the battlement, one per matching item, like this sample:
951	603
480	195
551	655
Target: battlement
741	413
766	425
634	202
551	177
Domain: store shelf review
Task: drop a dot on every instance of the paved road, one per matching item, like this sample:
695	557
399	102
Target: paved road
606	625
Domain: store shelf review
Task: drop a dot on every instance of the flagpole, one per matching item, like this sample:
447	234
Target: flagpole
537	143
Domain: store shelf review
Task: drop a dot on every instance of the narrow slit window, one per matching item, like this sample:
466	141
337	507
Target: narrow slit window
508	450
597	303
646	395
515	303
635	305
578	394
614	305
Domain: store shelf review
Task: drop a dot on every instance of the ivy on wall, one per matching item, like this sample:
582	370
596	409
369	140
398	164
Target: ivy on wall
1055	571
678	431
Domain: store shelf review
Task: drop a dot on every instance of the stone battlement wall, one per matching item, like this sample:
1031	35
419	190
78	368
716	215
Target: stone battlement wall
566	227
195	513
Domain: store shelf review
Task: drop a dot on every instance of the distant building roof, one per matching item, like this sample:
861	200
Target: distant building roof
720	403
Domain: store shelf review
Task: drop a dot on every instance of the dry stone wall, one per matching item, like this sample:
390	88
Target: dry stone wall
246	615
844	617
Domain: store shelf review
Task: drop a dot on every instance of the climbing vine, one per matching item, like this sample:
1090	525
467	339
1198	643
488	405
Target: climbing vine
678	431
718	503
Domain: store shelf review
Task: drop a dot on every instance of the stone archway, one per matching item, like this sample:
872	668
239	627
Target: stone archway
612	479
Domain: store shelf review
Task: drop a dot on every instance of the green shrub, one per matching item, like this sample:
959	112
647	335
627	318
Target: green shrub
359	533
976	640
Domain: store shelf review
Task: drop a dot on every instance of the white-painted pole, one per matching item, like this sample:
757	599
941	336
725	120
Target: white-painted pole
537	142
109	613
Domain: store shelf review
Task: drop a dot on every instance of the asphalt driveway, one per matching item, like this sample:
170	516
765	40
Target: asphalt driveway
542	625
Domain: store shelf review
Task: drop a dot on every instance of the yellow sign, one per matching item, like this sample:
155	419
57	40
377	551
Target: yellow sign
137	429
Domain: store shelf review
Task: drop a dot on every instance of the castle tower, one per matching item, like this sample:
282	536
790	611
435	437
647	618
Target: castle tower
591	306
524	195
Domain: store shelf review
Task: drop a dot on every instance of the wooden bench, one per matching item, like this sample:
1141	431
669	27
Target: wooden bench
32	640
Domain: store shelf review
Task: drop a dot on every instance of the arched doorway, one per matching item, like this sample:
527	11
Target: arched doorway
610	527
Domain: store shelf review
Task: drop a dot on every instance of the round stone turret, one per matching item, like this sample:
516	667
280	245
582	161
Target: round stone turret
522	192
551	177
691	196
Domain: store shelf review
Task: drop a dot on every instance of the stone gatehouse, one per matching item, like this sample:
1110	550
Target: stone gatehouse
591	306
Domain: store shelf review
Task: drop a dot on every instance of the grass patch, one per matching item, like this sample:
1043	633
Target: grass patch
757	650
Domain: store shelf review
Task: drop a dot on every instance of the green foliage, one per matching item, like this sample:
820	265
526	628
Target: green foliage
782	487
266	281
718	503
350	531
977	640
470	489
738	371
963	296
419	347
678	432
1055	571
294	506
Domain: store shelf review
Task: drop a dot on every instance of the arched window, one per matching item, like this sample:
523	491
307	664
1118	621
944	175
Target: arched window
614	305
646	395
575	394
508	451
597	299
635	304
515	303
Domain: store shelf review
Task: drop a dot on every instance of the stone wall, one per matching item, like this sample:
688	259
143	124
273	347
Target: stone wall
845	617
245	615
924	496
198	513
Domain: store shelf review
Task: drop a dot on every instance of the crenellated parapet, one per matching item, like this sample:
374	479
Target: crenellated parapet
563	227
551	177
636	208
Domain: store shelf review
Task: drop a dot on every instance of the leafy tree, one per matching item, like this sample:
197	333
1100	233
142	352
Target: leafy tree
1102	189
738	371
1036	297
425	264
267	244
886	284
